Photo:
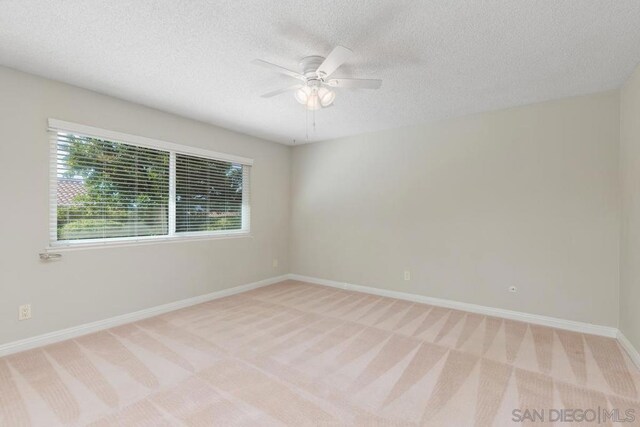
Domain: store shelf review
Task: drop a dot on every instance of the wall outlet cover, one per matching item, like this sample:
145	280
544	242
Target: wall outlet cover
24	312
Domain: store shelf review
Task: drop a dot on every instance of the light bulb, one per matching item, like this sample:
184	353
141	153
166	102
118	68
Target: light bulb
326	96
313	102
302	95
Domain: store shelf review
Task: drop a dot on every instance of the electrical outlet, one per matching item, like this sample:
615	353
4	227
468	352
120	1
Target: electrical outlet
513	289
407	275
24	312
275	263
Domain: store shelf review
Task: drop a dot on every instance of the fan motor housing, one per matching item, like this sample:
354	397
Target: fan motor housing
309	65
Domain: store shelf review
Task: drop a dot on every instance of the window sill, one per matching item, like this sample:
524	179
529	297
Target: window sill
127	242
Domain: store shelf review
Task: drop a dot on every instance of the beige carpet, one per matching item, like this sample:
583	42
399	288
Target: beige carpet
299	354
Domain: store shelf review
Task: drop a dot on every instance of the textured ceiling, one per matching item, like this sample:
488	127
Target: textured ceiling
436	58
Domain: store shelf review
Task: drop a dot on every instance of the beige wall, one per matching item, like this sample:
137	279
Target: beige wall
630	178
525	197
89	285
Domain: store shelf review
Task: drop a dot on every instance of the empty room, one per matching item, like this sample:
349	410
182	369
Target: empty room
319	213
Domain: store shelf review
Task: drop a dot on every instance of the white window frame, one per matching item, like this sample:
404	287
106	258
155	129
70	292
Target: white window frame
56	126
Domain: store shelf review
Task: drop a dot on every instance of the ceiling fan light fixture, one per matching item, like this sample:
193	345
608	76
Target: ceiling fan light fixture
316	87
326	96
302	95
313	102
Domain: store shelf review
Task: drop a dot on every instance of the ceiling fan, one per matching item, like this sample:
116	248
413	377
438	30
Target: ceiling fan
316	88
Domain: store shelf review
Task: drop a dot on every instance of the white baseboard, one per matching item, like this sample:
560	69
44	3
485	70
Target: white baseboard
65	334
633	353
87	328
553	322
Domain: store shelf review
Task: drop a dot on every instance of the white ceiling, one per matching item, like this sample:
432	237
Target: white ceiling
437	58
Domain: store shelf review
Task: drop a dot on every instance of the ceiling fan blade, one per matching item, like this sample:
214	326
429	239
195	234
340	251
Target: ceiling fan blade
278	69
279	91
336	58
356	83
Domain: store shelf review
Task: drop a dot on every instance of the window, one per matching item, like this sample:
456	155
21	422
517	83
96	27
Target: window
108	187
208	195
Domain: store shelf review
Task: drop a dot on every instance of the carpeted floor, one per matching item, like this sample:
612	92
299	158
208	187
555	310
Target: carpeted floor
299	354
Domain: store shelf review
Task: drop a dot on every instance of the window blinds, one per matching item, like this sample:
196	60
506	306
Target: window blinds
108	191
209	194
